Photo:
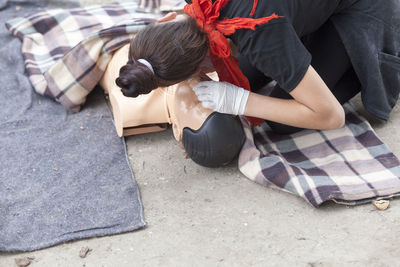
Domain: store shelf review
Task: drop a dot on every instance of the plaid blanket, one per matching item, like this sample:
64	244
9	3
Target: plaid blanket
350	165
66	51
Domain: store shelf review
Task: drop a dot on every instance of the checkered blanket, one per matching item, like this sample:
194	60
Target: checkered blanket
350	165
66	51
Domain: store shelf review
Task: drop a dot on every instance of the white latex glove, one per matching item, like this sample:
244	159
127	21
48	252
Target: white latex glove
222	97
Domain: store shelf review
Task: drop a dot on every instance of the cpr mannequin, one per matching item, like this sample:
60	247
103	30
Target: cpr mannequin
209	138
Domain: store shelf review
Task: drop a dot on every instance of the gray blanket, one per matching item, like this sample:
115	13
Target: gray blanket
63	175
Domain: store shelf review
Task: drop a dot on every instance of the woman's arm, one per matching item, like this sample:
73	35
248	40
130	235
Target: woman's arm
313	106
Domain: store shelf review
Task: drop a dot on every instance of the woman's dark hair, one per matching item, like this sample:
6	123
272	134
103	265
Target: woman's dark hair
174	49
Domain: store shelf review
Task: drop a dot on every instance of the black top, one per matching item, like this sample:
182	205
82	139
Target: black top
369	30
275	48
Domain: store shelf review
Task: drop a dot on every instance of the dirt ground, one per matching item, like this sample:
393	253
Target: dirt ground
217	217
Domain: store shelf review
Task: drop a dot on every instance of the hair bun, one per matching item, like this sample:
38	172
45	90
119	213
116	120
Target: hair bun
135	79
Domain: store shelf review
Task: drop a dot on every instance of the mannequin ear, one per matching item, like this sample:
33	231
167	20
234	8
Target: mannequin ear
169	16
177	131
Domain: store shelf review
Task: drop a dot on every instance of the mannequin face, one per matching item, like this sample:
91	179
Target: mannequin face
187	110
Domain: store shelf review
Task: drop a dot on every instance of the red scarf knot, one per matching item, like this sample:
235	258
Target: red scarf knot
207	13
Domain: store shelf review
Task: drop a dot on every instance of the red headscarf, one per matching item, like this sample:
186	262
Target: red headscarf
206	14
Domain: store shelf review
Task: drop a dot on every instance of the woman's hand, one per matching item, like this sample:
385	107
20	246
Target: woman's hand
222	97
168	17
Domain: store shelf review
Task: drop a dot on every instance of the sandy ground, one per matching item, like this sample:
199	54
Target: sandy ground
216	217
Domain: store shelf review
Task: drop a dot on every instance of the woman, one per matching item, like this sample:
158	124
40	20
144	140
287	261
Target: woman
320	53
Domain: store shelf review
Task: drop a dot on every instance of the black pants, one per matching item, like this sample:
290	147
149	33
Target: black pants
329	59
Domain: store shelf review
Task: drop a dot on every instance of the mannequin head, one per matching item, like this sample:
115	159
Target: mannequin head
210	139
